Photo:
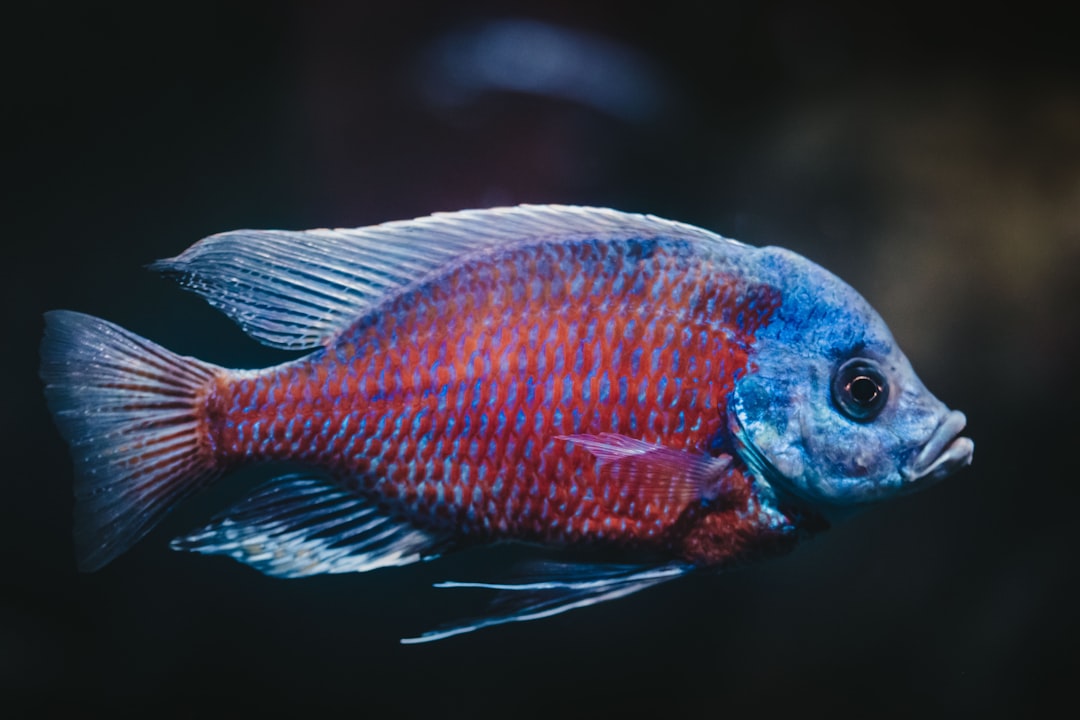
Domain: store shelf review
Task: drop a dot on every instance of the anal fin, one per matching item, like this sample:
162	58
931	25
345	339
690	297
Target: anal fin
297	525
558	589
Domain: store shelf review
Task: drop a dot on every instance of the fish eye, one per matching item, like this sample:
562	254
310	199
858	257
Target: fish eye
859	389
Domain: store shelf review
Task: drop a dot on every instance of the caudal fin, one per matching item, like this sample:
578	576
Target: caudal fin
133	414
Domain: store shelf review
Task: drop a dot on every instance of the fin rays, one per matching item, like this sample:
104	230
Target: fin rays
296	525
297	290
129	410
570	587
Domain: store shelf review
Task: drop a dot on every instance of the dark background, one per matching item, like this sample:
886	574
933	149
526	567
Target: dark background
931	158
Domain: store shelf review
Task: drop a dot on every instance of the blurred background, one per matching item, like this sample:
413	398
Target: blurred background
930	159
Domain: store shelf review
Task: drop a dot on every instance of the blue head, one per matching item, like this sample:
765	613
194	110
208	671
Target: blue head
831	409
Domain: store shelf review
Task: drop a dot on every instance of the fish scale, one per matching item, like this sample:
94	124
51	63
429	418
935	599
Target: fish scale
490	341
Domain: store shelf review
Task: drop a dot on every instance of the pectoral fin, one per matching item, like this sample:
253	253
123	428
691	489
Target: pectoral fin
658	470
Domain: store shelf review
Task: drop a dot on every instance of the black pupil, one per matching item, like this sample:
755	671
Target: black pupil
864	390
860	390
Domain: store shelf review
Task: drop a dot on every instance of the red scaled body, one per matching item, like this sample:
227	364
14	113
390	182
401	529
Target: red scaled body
446	405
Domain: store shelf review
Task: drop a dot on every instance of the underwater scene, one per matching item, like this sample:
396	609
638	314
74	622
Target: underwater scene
558	360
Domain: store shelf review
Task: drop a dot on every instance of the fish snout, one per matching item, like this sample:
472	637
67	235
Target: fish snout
944	453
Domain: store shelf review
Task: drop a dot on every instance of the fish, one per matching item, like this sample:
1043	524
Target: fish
646	395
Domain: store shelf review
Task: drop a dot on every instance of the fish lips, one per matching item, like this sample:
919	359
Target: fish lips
944	453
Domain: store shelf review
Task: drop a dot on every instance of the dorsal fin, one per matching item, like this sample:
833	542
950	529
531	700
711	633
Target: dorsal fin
298	290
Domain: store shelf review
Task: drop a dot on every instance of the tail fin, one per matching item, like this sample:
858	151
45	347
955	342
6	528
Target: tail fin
133	415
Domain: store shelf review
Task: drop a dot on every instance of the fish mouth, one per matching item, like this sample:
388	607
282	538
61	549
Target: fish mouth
945	452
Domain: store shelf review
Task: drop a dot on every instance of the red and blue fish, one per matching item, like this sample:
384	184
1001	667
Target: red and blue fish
563	376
